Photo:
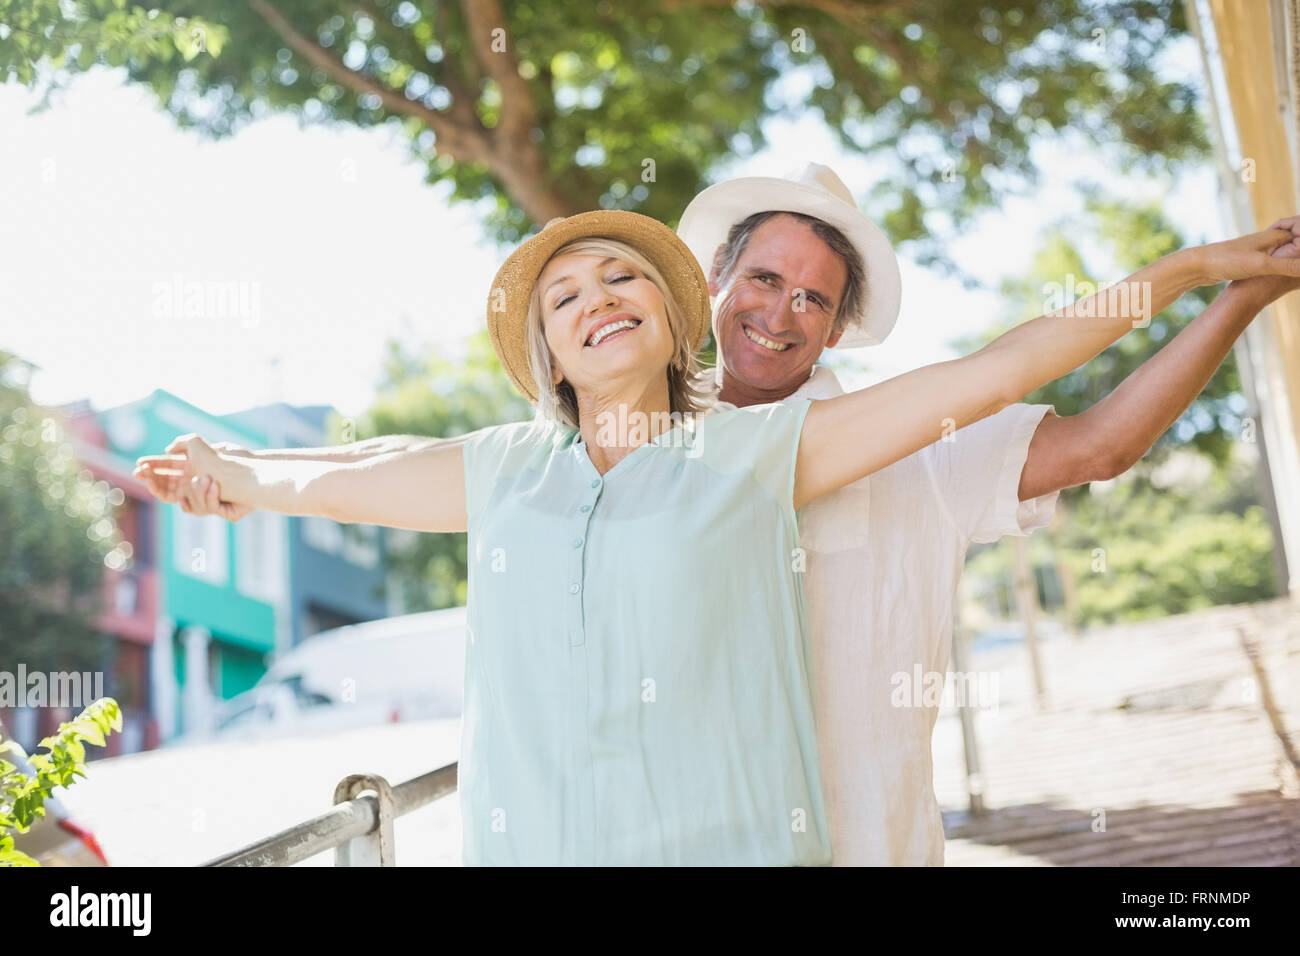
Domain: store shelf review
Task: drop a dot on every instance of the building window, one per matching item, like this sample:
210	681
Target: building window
126	595
323	534
201	547
259	556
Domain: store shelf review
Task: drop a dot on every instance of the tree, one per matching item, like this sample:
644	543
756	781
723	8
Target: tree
1137	550
549	108
56	534
80	33
440	396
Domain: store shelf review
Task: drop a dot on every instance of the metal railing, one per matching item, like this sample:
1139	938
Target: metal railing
359	828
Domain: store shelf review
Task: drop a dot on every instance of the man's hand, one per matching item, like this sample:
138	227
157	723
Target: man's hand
1270	288
186	476
1253	256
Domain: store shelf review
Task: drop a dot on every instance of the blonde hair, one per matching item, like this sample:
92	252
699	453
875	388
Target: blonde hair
559	403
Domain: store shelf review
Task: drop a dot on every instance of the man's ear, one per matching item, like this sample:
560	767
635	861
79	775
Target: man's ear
715	270
834	338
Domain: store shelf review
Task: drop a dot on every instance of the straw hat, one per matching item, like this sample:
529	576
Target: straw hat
815	191
512	288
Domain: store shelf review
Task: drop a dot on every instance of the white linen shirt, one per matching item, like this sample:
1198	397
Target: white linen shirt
884	559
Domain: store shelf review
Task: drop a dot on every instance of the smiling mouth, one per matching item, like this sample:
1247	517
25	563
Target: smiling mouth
611	330
766	343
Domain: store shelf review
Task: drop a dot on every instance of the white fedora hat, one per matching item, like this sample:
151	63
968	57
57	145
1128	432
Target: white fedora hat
816	191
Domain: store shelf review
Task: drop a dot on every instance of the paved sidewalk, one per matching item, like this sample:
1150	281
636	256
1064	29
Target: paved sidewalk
1160	746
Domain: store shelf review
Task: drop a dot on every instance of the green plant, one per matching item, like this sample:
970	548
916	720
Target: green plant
22	798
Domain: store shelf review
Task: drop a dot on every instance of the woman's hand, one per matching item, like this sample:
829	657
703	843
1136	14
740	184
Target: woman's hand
1264	254
209	490
190	475
1268	289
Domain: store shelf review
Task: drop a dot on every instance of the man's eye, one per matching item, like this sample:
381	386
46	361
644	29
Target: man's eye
768	280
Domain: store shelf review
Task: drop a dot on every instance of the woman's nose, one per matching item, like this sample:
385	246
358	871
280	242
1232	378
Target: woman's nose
600	300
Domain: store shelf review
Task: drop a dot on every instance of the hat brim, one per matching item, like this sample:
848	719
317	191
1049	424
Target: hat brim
709	217
512	288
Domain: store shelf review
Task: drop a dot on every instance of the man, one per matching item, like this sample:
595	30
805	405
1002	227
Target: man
885	554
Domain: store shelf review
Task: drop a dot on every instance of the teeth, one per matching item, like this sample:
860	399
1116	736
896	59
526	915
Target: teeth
605	331
767	343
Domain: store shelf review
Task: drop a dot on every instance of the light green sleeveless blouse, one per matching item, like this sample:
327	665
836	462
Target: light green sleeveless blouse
638	662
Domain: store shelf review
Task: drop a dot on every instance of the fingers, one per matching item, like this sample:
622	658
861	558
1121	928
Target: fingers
211	495
190	497
163	464
161	486
233	512
207	496
1269	239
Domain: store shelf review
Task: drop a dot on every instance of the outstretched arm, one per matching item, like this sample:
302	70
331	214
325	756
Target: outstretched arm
850	436
355	451
209	503
420	490
1106	440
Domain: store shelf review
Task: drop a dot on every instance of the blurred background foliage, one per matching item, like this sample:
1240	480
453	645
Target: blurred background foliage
57	534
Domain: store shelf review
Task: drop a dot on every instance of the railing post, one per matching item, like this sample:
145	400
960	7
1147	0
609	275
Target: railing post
376	847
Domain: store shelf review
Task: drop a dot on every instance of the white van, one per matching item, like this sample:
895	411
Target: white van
410	667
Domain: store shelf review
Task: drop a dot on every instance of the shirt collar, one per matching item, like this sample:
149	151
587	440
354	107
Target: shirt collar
821	383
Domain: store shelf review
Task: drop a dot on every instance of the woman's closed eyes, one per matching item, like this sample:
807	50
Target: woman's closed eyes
569	297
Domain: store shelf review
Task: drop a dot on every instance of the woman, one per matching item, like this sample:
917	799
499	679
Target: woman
637	665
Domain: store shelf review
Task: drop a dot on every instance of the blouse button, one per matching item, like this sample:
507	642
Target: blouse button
585	508
577	542
595	482
573	589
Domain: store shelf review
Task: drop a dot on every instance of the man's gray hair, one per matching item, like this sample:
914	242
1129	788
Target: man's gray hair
854	286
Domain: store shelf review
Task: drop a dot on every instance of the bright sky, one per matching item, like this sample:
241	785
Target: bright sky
330	243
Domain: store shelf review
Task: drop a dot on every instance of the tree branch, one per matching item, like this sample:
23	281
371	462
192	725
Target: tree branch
461	143
517	160
517	114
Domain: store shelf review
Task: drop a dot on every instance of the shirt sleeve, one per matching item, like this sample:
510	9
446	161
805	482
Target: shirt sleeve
977	475
488	454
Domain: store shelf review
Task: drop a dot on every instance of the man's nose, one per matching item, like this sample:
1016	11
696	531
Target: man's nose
780	315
